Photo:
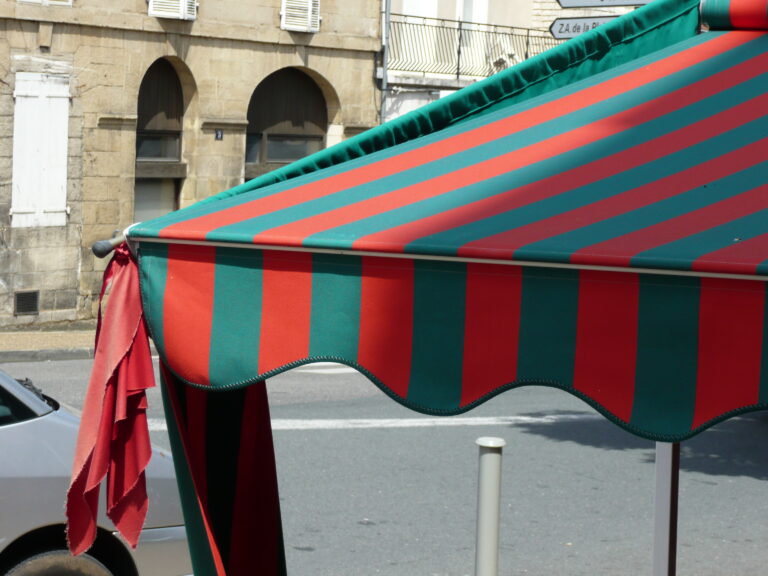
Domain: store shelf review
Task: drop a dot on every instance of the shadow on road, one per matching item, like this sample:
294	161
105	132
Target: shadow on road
735	447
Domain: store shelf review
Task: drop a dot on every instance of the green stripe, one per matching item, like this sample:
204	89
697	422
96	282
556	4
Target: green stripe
438	335
667	355
199	548
764	362
153	271
336	293
548	318
716	13
236	324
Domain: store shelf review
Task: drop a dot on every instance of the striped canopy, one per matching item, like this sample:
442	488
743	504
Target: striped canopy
609	238
594	219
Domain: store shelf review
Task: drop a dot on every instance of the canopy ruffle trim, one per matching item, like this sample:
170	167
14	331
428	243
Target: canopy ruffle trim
664	357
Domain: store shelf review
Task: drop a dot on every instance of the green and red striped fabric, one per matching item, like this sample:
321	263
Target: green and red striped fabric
225	468
617	227
735	14
656	164
663	356
595	220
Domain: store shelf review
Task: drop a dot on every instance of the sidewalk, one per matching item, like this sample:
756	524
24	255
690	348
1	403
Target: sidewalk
37	345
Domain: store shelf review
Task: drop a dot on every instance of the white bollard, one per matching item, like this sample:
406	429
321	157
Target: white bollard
488	505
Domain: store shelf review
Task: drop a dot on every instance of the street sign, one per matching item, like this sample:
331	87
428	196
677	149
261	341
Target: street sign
563	28
598	3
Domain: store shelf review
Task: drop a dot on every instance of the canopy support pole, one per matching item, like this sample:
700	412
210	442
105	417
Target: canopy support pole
665	529
488	505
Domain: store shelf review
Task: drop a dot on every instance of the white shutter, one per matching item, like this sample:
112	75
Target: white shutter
176	9
190	10
40	137
300	15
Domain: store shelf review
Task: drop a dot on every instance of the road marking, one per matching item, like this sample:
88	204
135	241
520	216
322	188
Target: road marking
158	424
326	368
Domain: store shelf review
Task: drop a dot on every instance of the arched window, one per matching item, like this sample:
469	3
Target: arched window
287	120
161	109
158	143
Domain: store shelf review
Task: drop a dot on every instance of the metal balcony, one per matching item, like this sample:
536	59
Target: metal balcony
435	46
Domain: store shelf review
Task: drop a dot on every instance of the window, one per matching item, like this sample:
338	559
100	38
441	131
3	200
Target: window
159	170
154	197
161	109
40	135
177	9
287	120
472	11
300	15
12	410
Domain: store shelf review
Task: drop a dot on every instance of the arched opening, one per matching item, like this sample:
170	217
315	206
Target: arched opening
287	120
159	170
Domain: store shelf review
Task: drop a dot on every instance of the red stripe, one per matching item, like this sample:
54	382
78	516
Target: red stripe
386	321
619	251
199	227
256	513
730	347
394	239
172	387
606	339
742	257
286	308
748	14
504	244
492	328
187	310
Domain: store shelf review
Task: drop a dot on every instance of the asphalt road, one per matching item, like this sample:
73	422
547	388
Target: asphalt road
368	487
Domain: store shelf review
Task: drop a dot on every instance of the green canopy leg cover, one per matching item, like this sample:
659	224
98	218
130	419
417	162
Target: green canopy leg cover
225	467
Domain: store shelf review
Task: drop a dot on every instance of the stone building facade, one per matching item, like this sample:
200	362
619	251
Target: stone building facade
80	157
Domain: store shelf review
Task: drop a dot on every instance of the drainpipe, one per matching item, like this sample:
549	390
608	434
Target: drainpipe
386	11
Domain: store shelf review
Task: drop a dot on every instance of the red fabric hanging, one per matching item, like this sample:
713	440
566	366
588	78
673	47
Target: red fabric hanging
113	440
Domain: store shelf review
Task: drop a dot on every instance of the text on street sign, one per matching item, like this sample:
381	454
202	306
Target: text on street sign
563	28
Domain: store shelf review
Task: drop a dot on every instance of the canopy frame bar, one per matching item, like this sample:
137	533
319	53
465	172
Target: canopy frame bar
408	256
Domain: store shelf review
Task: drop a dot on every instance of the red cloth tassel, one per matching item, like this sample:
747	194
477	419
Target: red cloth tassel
113	440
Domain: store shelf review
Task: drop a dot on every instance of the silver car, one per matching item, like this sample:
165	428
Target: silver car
37	444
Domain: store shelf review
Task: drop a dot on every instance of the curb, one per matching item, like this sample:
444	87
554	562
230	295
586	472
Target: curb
10	356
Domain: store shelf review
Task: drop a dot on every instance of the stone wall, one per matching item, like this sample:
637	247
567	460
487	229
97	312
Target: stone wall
106	49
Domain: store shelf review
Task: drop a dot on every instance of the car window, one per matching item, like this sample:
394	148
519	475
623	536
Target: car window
12	410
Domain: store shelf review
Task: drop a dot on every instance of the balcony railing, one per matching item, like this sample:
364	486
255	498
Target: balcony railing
455	48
